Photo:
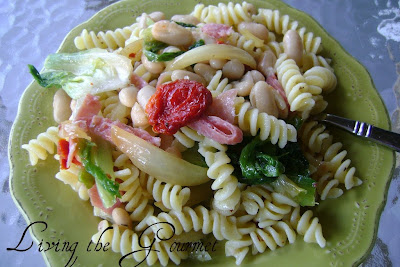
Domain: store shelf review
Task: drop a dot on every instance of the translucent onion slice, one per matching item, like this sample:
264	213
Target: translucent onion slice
133	51
211	51
156	162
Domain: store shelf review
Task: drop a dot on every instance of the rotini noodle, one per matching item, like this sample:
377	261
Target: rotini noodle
126	241
70	177
307	226
250	120
230	14
294	84
109	39
43	145
197	219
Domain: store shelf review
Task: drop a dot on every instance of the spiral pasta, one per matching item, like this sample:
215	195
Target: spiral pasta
227	195
218	85
244	43
274	210
43	145
187	137
294	84
311	60
318	140
197	219
166	195
253	198
320	78
140	70
137	203
126	241
250	120
230	14
70	177
307	226
109	39
113	109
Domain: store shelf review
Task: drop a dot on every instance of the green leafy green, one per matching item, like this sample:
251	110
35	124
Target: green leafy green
197	44
193	156
186	25
107	188
154	46
285	169
167	56
297	122
87	72
86	178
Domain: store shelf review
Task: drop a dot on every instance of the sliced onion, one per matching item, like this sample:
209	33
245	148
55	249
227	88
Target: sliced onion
133	51
211	51
156	162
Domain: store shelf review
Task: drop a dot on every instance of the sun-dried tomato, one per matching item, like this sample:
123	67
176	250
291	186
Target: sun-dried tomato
177	103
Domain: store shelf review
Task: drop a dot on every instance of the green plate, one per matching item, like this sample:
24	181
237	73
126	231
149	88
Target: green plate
349	223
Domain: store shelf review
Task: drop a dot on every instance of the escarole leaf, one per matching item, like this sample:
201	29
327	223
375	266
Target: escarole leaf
107	188
285	169
88	72
197	44
186	25
167	56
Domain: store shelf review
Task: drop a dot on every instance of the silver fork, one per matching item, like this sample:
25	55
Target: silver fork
378	135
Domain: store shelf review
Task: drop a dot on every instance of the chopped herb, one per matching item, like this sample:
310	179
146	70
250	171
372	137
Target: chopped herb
197	44
186	25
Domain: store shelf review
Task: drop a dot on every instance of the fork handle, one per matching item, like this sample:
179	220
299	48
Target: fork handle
381	136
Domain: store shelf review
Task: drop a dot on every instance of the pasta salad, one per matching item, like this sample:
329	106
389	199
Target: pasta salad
202	121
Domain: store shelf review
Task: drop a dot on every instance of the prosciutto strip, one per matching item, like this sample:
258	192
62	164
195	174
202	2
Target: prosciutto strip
138	81
95	200
90	107
273	81
102	127
217	31
218	130
223	106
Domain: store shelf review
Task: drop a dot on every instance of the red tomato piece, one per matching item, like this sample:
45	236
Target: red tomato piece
177	103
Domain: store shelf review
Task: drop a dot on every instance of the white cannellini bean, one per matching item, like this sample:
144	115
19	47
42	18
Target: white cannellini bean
188	19
253	76
293	46
127	96
244	87
257	29
266	63
139	116
121	217
144	95
263	98
184	74
152	67
171	33
157	16
61	106
218	63
204	70
233	69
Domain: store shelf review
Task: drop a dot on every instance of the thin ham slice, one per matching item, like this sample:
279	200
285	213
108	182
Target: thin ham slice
273	81
218	130
138	81
217	31
90	107
102	127
223	106
95	200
